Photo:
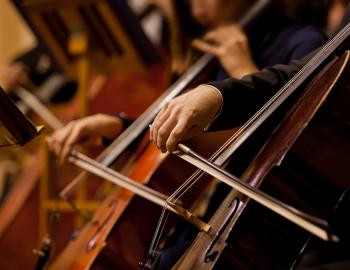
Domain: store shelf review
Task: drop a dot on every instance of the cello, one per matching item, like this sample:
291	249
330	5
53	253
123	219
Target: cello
111	225
303	161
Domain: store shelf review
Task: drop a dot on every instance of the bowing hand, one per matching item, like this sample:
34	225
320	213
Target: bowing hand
185	116
87	130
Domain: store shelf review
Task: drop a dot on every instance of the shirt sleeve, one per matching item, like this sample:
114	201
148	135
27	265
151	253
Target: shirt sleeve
242	98
126	121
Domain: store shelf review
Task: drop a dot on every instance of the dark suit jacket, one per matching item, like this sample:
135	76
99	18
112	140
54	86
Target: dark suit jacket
242	98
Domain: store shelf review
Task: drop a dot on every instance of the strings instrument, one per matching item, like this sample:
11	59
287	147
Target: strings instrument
319	93
118	216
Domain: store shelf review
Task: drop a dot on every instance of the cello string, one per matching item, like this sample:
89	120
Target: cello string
248	124
276	96
159	230
314	61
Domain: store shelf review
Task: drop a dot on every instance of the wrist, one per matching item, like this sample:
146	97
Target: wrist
110	126
245	70
214	96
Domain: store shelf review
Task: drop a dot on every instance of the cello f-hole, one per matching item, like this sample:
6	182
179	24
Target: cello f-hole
94	239
211	254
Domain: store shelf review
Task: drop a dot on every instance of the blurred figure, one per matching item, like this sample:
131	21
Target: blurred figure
33	65
312	12
211	26
31	70
325	14
336	13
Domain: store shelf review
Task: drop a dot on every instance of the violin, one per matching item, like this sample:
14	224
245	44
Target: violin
302	161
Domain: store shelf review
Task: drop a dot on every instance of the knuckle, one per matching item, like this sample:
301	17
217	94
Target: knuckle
81	129
176	110
171	105
168	104
69	143
171	144
190	115
222	51
156	126
161	133
72	123
176	133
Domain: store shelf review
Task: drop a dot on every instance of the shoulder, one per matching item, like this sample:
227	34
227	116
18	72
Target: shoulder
307	34
304	39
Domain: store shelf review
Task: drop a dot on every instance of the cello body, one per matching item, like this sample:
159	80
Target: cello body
27	216
304	162
122	228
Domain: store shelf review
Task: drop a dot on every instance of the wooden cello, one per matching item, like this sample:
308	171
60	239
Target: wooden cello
118	241
304	162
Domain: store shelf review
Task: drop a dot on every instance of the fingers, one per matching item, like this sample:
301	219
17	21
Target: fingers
56	139
224	34
71	140
215	37
164	132
163	125
214	41
206	47
158	121
59	139
177	135
196	108
173	130
80	131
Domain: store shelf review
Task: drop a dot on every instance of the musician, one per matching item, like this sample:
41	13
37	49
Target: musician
220	105
269	43
337	11
33	68
198	110
212	29
32	64
227	104
325	14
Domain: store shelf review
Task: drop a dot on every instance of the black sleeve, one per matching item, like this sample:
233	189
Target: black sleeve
127	121
242	98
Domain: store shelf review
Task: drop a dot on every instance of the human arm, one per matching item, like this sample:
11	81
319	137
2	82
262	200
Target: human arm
234	100
86	130
231	47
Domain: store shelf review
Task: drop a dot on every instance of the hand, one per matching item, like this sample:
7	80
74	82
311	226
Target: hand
10	76
85	130
185	116
230	45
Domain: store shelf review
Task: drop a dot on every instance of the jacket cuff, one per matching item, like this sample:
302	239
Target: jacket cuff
126	121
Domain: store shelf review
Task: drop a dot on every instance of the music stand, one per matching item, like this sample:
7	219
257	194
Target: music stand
15	128
117	42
